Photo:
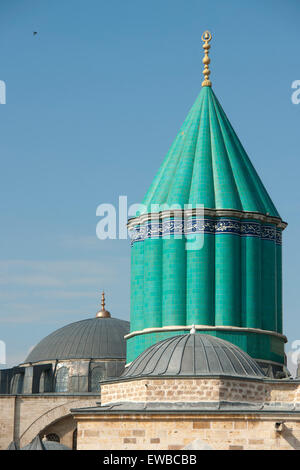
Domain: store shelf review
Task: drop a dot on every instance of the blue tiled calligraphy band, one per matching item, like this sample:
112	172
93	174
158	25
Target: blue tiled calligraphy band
194	225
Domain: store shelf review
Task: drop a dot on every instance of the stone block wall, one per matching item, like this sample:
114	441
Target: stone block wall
197	389
169	432
7	411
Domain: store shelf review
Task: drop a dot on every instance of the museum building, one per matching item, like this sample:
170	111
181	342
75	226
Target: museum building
202	365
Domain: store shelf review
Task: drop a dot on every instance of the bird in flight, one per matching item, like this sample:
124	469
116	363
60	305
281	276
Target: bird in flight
34	33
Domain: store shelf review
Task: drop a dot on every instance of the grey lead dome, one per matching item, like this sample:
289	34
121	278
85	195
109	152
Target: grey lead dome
193	355
94	338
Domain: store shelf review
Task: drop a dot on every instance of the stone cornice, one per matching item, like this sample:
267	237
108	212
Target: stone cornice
205	328
207	213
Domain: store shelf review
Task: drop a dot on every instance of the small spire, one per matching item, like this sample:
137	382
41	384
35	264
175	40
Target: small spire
103	313
193	330
206	37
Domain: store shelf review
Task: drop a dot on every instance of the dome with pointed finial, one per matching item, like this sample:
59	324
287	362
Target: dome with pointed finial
74	358
100	337
206	245
207	165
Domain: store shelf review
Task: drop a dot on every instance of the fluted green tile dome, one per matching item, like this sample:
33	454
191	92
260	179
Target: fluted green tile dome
206	245
208	165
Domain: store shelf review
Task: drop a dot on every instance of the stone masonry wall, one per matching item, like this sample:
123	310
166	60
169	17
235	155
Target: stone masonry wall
194	389
169	432
24	416
7	410
200	389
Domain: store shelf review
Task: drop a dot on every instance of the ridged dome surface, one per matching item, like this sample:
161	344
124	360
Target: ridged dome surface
94	338
208	165
193	355
45	445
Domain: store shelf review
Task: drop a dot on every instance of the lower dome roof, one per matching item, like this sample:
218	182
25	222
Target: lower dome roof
193	355
45	445
94	338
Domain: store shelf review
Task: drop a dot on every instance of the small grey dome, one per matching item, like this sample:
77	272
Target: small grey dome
51	445
38	444
94	338
193	355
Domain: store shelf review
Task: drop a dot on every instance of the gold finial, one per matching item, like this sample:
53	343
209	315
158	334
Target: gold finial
206	37
103	313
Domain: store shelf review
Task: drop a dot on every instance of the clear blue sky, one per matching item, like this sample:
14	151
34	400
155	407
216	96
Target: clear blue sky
94	100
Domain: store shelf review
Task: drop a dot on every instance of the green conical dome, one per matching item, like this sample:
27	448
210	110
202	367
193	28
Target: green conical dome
206	246
208	165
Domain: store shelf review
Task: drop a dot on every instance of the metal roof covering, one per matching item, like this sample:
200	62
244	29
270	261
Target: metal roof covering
193	355
189	407
94	338
51	445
